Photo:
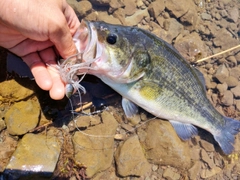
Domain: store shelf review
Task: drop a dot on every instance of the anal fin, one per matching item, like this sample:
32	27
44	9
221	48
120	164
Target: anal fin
184	131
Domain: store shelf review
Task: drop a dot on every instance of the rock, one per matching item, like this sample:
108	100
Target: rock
120	15
222	88
35	154
210	84
92	16
103	16
237	102
227	98
154	167
233	14
115	4
231	81
100	2
206	16
224	39
207	146
206	173
179	7
2	125
194	170
8	146
225	2
235	72
139	3
11	91
170	174
236	91
173	28
222	73
163	146
233	60
206	158
130	158
85	121
191	46
190	19
110	174
195	153
82	7
130	7
155	8
94	146
22	117
136	18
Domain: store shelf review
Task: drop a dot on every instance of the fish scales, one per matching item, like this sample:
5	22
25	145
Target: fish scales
150	73
169	67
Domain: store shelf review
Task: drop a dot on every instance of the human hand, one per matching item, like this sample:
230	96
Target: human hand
34	30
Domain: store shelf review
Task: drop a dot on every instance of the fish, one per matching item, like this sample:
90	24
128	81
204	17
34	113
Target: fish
150	73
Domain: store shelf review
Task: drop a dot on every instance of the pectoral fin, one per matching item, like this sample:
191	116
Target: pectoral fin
130	109
184	131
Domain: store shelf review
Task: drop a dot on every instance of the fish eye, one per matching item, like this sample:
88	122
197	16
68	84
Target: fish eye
111	39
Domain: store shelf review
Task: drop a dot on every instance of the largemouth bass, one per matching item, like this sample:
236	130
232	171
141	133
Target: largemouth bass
150	73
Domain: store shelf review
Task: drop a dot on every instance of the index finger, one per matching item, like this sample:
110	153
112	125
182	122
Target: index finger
61	36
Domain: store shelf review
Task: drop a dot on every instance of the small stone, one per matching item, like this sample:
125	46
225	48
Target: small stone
233	14
178	7
231	81
155	8
235	72
206	158
236	91
119	137
130	7
222	88
154	167
206	173
227	98
92	16
190	18
222	73
170	174
207	146
237	102
195	154
136	18
210	84
173	27
115	4
127	127
2	125
206	16
104	16
194	170
100	2
83	7
224	39
233	60
130	158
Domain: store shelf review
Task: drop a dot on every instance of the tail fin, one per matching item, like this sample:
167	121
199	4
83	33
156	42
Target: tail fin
225	137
